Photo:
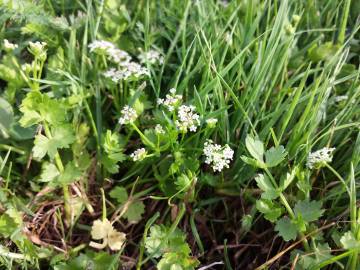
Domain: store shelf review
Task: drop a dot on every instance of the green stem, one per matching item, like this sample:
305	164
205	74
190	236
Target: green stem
12	148
339	177
288	208
143	136
345	15
60	166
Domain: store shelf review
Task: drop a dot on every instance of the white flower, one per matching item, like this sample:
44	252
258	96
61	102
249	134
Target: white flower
319	158
217	156
105	231
126	71
152	57
128	115
171	100
159	129
118	56
101	46
113	53
139	154
187	119
211	122
37	47
8	46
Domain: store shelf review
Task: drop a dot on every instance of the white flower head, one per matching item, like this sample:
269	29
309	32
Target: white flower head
37	47
128	115
217	156
152	57
107	48
211	122
187	119
103	229
319	158
101	46
171	101
8	46
118	56
138	154
159	129
126	71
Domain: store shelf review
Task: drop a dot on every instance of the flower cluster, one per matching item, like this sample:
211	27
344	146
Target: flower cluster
126	68
8	46
139	154
171	101
105	231
159	129
187	119
128	115
217	156
319	158
126	71
152	57
38	49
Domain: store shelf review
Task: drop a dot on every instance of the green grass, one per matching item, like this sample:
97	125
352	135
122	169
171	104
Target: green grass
282	79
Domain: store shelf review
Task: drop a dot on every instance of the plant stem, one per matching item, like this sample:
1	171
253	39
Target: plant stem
345	15
60	166
288	208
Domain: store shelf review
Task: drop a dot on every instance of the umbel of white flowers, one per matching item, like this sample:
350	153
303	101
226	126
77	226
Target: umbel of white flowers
138	154
217	156
319	158
187	119
8	46
171	101
128	115
126	68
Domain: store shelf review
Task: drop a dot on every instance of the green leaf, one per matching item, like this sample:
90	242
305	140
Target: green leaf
265	185
309	211
63	136
91	260
275	155
349	241
177	261
135	211
253	162
6	117
30	109
43	146
7	225
49	172
287	180
119	194
162	240
269	209
255	147
70	174
287	230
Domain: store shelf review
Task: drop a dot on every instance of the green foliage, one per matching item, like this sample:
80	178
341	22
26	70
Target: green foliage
171	246
133	209
86	106
287	230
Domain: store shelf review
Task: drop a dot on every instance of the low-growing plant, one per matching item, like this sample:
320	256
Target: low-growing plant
179	134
